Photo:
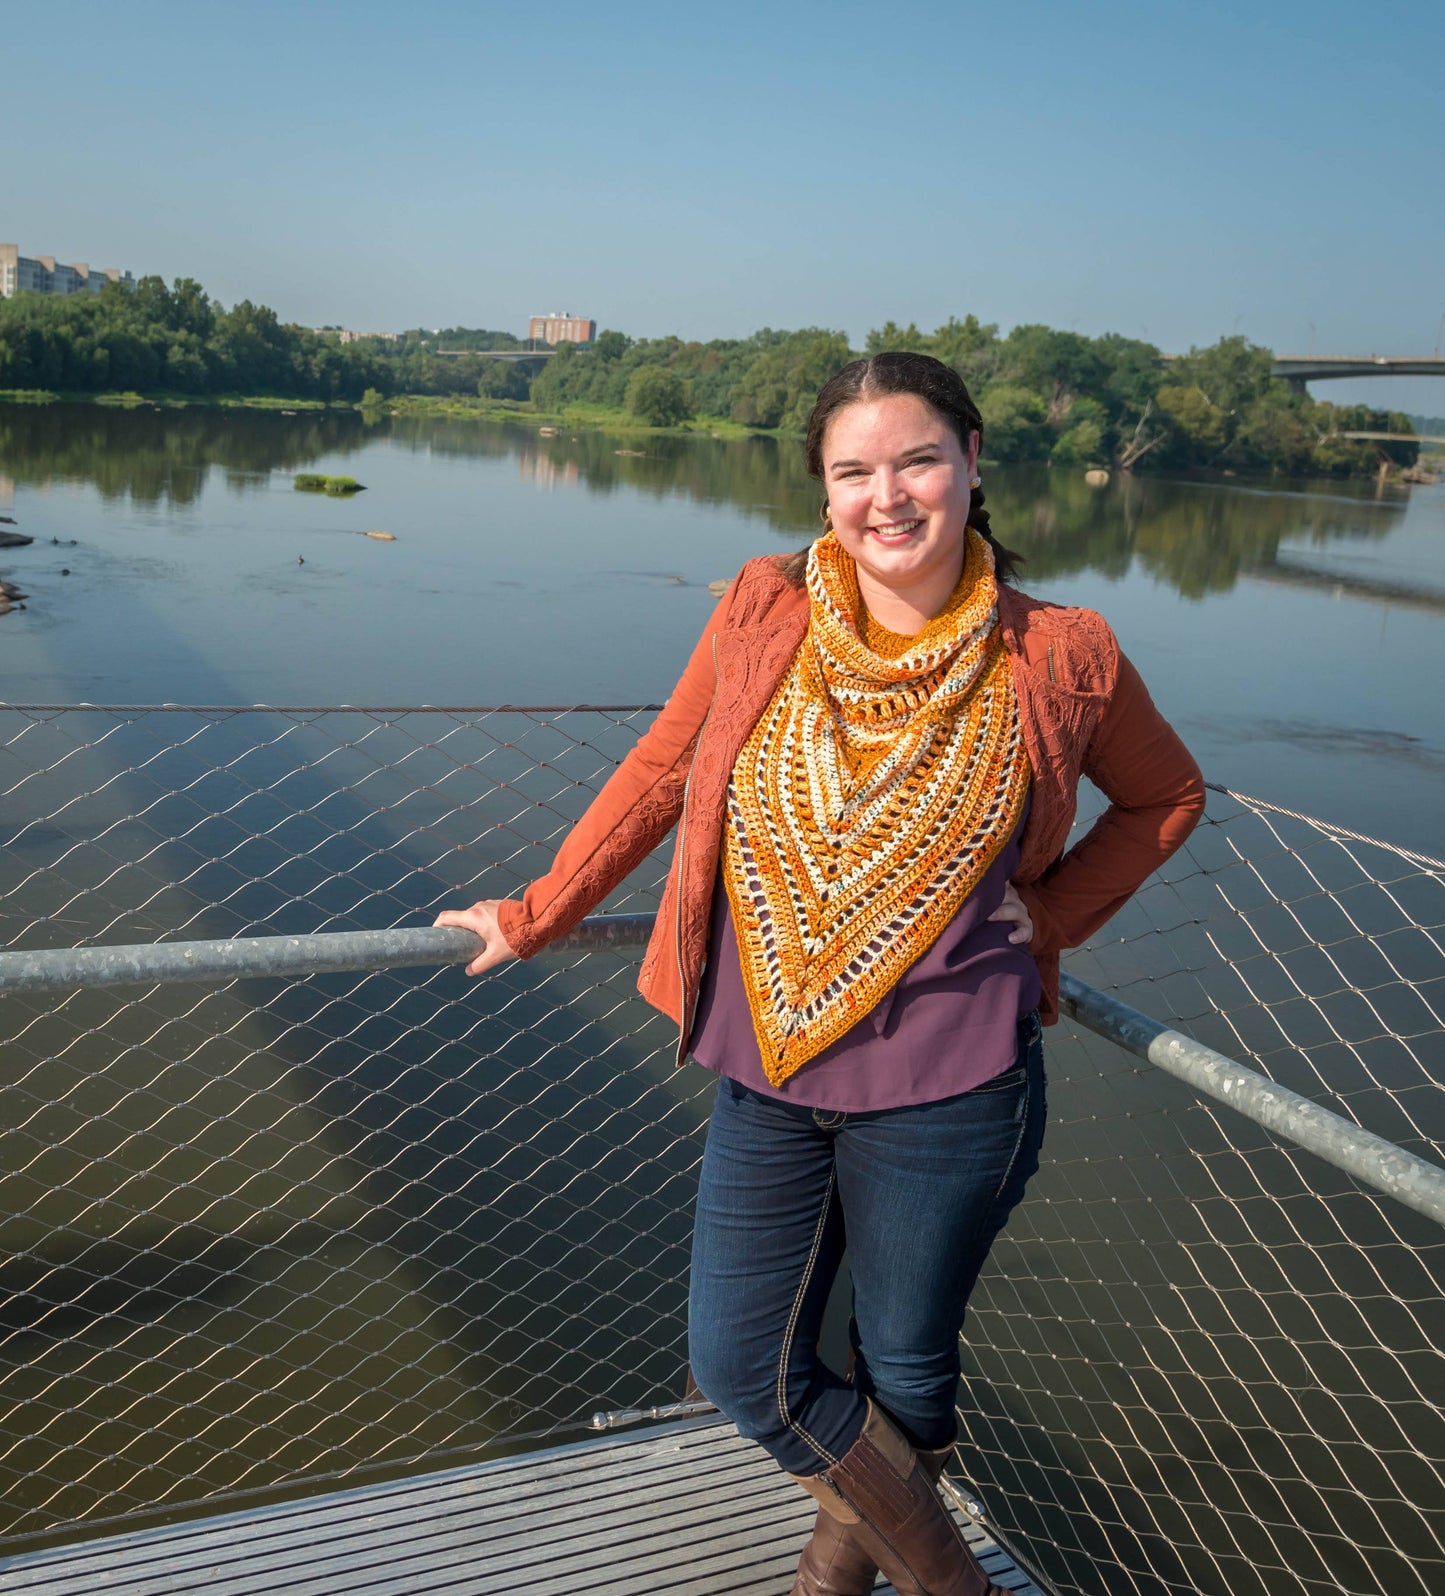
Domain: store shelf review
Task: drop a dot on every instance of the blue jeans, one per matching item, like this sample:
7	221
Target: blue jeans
916	1194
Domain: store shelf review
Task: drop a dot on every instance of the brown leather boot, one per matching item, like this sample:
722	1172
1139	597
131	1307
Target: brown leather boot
833	1562
881	1492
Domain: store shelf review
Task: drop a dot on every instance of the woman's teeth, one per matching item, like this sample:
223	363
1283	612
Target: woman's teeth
897	529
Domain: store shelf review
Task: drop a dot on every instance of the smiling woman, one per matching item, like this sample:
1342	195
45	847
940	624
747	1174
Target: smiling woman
872	760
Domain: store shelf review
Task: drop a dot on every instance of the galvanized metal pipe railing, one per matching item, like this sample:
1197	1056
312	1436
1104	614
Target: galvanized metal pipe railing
1366	1157
52	969
1360	1153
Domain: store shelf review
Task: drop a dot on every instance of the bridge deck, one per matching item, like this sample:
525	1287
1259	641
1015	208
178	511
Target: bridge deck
689	1510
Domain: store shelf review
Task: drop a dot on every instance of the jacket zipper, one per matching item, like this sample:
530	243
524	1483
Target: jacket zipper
1052	676
688	1001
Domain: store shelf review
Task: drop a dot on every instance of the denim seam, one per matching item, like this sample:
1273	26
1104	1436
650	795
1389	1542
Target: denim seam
995	1083
787	1346
1018	1142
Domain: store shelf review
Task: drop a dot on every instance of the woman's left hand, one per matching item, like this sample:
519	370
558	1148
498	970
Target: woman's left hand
1012	908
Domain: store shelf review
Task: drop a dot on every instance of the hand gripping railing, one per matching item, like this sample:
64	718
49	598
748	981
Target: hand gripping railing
1358	1152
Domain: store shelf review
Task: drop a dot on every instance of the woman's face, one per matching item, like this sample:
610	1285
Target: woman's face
898	491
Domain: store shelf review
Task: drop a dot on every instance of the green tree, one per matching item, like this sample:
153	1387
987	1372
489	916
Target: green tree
1233	373
1275	434
1015	424
782	380
503	379
1059	367
1084	441
971	347
890	336
659	396
611	345
1197	429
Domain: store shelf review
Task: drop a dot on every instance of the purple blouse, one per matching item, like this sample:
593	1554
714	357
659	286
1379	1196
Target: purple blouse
950	1023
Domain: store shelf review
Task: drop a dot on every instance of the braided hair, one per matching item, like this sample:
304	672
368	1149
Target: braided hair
942	389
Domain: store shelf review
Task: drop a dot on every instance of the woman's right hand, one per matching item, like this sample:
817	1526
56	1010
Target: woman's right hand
481	918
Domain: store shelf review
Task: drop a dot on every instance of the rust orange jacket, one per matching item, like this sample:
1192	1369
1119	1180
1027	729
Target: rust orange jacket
1083	711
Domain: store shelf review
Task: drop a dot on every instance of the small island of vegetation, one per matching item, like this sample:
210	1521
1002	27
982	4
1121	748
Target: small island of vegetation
1046	395
338	487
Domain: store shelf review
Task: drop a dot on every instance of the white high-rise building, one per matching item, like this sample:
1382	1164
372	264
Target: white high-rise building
42	274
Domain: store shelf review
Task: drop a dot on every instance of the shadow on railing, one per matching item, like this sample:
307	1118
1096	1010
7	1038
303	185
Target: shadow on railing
277	1230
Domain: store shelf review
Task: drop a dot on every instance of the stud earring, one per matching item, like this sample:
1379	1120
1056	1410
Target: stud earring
826	516
976	483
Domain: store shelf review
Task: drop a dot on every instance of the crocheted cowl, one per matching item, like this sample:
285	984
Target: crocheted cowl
867	803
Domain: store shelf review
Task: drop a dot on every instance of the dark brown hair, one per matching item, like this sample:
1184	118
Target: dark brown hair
941	388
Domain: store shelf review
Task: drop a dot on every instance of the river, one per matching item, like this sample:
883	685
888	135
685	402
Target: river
1291	630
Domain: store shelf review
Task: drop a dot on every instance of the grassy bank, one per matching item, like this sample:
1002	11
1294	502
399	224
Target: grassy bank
594	417
600	418
162	399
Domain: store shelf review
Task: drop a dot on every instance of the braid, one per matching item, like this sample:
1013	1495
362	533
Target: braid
1005	561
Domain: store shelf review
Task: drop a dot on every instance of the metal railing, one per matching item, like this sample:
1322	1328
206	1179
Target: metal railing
275	1230
1369	1158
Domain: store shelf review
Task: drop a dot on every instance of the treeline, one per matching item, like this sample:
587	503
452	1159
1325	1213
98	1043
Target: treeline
473	338
1045	395
178	340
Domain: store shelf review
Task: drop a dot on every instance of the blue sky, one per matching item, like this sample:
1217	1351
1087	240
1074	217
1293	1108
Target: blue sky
1163	170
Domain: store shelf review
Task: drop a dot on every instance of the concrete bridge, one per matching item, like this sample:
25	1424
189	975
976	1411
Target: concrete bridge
501	354
1317	368
1391	437
1297	370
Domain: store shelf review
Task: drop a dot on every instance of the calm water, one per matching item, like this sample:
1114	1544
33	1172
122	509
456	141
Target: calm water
421	1215
1293	632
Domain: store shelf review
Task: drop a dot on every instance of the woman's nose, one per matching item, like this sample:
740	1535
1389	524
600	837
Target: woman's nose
888	489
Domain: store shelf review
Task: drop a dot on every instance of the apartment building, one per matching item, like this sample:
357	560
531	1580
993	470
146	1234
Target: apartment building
43	274
562	327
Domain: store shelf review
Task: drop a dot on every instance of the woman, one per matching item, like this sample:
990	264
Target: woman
872	761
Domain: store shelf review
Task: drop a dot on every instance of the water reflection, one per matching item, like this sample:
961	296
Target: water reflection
1193	536
165	456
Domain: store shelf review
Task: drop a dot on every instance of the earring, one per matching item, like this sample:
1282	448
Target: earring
976	483
826	516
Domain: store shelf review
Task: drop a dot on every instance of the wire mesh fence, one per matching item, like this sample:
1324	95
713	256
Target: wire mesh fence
273	1232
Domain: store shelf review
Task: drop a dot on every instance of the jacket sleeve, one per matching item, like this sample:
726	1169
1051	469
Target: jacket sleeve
1156	796
637	807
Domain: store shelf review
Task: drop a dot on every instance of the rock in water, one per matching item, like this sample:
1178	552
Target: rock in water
1097	479
719	587
383	537
14	540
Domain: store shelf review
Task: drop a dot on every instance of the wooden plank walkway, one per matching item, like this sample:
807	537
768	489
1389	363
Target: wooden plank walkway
688	1510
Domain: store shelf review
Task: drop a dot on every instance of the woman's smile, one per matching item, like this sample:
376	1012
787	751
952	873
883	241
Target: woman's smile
896	531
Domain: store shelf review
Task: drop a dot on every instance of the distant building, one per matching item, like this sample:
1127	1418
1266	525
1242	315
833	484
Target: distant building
42	274
348	337
561	327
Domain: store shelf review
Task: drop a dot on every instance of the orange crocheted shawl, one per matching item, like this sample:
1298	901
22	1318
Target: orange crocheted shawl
867	803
